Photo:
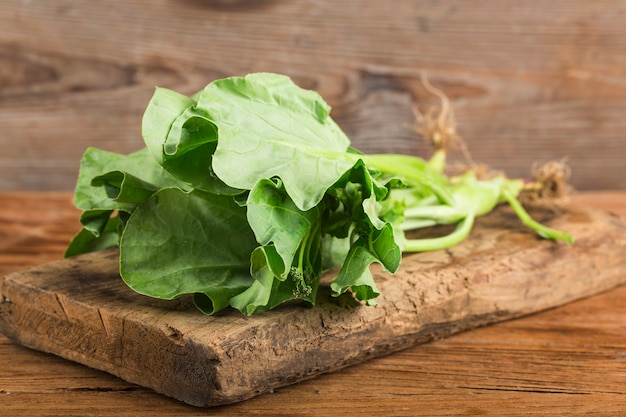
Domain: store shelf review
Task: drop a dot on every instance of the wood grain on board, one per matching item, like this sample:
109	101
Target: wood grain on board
80	309
529	81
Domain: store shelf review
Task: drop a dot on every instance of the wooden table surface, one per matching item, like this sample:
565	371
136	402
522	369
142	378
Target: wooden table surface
567	361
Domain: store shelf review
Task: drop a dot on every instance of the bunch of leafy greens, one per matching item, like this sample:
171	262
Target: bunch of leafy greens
247	191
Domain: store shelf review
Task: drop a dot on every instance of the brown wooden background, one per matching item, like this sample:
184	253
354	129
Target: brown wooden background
530	80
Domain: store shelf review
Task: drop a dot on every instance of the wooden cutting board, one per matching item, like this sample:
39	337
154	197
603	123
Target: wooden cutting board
81	310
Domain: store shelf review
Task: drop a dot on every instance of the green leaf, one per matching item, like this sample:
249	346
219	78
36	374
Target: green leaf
268	127
351	201
94	221
275	218
97	163
355	273
164	108
179	243
182	139
123	187
284	231
108	182
383	245
362	193
86	241
364	288
267	291
379	246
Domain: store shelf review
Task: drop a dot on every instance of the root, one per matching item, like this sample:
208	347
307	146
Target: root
438	124
550	184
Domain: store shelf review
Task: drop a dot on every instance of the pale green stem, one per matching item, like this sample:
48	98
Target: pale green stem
438	160
459	234
411	168
412	224
543	231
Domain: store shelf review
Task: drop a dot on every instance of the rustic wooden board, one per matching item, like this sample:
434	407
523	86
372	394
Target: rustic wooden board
80	309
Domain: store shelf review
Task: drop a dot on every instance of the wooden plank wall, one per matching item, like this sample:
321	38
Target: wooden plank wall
530	80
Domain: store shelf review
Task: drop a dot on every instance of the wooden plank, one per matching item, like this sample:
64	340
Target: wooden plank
79	309
529	81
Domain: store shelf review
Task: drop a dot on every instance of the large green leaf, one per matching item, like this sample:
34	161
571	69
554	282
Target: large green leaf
179	243
268	127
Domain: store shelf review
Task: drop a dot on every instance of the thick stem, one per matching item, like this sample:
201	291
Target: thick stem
438	160
412	169
414	224
439	213
459	234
